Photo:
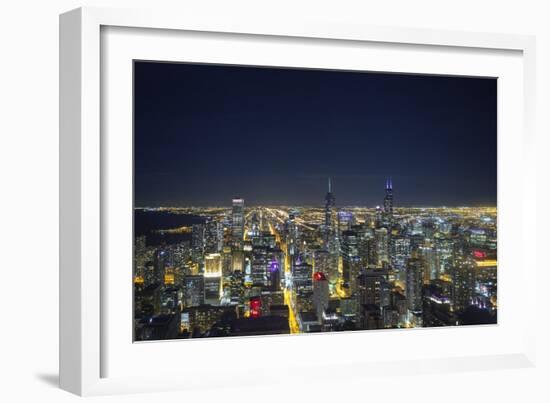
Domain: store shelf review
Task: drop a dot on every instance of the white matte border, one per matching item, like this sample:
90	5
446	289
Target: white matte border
120	46
79	325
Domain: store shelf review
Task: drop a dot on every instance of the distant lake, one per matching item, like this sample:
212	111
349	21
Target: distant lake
146	222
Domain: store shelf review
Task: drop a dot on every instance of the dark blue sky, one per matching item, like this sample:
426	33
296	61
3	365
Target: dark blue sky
207	133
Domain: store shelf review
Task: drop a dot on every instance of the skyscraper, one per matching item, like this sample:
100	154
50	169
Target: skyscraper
331	236
302	273
415	281
237	224
197	239
388	199
387	215
374	288
193	291
464	281
320	293
330	202
213	237
351	261
382	246
259	266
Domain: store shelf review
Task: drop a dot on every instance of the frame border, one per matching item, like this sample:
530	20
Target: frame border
80	168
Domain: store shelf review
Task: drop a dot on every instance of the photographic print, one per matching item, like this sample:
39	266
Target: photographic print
271	200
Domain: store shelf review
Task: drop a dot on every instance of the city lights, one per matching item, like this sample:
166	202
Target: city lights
249	270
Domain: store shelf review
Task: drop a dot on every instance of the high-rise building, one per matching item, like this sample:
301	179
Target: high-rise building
415	281
365	236
436	307
160	265
259	267
212	278
378	220
213	236
237	260
330	202
477	237
274	267
193	291
400	253
431	267
291	235
213	265
227	259
464	280
212	290
330	234
374	288
197	237
320	293
351	261
388	200
381	245
345	220
302	273
237	223
321	262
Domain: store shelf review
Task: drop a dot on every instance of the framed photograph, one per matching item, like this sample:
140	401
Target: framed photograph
296	192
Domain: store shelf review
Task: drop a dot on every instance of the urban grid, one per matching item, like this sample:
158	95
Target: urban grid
261	270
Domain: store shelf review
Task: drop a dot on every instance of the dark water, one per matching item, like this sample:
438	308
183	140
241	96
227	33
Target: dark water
146	222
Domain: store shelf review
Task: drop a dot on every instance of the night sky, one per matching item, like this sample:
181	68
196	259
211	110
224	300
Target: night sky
207	133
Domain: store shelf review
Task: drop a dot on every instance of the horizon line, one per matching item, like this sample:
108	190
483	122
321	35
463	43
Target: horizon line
314	206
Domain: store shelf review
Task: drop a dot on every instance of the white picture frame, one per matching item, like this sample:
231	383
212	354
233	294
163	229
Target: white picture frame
83	182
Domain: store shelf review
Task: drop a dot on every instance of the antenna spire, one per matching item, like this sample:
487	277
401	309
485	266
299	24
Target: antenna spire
329	185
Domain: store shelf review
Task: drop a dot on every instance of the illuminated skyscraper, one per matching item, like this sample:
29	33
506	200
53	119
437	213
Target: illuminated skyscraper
378	222
331	236
321	262
320	293
330	202
464	281
374	288
160	265
237	225
237	260
431	267
351	262
212	278
381	245
400	253
259	265
345	220
388	199
193	291
274	271
415	281
292	235
213	237
197	242
213	265
302	275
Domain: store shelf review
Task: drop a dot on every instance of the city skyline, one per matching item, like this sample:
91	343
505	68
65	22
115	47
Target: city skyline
289	129
261	270
227	204
291	201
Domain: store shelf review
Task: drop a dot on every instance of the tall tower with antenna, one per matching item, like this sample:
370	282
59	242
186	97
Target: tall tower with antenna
330	203
330	234
388	199
387	213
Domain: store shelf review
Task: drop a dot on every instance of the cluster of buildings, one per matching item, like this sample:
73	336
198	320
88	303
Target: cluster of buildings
277	270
